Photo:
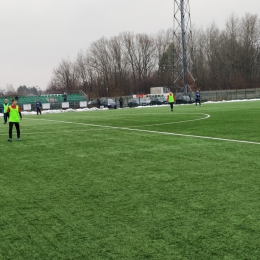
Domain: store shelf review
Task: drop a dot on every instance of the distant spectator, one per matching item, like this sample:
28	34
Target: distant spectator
4	110
38	107
197	97
64	97
98	103
121	102
16	97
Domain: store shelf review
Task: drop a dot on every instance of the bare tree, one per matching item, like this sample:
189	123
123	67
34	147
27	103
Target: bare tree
250	46
119	65
100	62
140	53
200	63
231	53
85	72
66	76
162	40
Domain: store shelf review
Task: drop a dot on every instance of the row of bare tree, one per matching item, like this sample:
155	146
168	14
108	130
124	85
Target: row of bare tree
132	63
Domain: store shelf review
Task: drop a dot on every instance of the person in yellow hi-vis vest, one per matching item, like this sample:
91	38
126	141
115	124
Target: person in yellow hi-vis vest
170	100
14	112
5	106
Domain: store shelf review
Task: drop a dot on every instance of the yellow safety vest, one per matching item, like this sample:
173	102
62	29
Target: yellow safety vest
6	105
170	98
14	114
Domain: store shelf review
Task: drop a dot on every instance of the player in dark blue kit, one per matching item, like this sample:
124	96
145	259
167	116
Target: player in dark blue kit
197	97
38	107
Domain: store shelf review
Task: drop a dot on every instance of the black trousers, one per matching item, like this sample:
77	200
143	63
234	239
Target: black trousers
38	110
121	104
5	117
171	105
197	100
17	126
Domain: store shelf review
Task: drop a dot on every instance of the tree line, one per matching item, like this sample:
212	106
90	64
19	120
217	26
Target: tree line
21	91
24	91
132	63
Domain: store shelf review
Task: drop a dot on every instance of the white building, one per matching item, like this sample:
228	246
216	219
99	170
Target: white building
159	90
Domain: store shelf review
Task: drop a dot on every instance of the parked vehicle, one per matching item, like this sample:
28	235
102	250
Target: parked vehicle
145	101
184	99
108	102
158	101
94	103
104	102
133	102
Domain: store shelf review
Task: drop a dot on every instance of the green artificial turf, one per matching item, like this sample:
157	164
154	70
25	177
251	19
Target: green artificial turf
118	184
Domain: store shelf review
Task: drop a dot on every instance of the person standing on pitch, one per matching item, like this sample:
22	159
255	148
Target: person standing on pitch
14	112
38	107
197	97
5	106
170	100
121	102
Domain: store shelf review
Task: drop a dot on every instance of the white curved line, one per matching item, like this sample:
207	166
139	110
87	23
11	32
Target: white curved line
191	120
152	132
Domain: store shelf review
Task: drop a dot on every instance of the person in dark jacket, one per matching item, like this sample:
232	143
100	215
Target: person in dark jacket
197	97
4	110
38	107
121	102
98	103
64	97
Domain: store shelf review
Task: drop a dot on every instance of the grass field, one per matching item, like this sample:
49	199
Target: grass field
140	183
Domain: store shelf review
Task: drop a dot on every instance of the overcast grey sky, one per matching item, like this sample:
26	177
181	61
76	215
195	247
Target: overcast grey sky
37	34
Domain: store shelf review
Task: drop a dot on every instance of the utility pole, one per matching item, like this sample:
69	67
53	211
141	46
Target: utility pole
182	41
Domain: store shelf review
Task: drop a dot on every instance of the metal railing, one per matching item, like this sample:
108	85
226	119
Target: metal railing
237	94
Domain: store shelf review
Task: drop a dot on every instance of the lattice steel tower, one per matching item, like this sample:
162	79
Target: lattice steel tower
182	40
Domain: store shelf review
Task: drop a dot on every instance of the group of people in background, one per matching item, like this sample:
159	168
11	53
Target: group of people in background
171	99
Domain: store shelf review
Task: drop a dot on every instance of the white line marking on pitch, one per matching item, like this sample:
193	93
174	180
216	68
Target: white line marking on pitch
152	132
190	120
65	131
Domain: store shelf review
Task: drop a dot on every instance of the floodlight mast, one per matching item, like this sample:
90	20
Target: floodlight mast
182	40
